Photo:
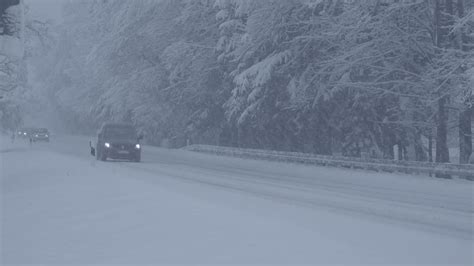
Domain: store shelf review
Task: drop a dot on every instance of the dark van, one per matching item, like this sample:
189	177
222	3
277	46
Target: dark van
119	142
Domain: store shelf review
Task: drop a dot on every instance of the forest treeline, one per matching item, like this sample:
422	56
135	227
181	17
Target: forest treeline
12	65
378	78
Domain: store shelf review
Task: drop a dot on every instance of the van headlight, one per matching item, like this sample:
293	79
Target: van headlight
138	146
107	145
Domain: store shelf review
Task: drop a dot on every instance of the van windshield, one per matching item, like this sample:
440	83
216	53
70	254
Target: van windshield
121	132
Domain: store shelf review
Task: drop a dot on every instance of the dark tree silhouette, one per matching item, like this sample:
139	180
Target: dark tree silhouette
6	25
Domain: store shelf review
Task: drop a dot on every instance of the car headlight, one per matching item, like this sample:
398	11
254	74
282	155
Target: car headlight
138	146
36	135
46	136
107	145
24	133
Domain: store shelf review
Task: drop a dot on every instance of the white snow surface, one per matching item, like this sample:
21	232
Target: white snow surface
60	206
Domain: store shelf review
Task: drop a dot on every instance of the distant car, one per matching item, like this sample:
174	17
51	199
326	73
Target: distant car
20	133
25	133
40	134
118	141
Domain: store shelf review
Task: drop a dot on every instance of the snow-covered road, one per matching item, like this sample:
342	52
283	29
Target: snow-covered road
58	205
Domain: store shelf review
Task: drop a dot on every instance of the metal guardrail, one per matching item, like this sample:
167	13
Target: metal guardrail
392	166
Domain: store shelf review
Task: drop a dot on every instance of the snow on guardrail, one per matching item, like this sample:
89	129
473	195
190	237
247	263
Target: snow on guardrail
409	167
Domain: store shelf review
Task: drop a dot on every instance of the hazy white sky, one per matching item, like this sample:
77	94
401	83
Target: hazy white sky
45	9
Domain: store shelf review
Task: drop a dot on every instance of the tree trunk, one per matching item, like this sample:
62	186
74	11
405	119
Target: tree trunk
462	39
442	151
430	147
465	136
442	40
465	117
437	22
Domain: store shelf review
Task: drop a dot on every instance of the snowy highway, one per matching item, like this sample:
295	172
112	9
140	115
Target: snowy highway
59	205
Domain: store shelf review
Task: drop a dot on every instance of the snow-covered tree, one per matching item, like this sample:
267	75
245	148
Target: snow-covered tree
12	65
327	76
